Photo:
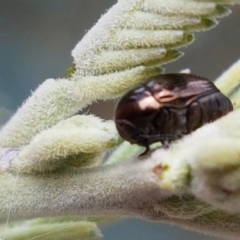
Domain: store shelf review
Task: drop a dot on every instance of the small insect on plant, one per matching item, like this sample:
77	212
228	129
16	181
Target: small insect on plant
167	107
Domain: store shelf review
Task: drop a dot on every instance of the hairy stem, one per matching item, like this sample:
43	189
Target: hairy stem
110	190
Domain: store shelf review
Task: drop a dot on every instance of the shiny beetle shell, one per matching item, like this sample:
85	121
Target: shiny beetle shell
167	107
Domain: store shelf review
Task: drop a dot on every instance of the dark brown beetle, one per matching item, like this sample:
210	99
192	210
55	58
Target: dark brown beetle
167	107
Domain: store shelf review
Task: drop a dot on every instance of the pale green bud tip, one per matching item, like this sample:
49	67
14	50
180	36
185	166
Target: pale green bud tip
73	230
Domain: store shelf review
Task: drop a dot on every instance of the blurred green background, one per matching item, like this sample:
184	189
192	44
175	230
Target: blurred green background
36	39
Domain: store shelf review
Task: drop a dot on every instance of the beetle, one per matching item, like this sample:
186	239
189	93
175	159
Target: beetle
167	107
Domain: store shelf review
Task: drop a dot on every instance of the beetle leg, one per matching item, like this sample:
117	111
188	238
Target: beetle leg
165	144
145	152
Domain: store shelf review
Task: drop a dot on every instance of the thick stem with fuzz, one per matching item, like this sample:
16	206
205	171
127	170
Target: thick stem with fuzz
109	190
126	190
